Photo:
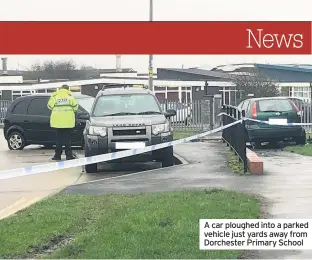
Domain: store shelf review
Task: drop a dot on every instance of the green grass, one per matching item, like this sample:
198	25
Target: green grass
300	149
153	225
182	134
235	164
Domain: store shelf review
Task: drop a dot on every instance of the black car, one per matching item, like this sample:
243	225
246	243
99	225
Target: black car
27	121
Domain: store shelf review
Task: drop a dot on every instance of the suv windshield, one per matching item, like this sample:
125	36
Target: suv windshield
132	104
86	103
274	105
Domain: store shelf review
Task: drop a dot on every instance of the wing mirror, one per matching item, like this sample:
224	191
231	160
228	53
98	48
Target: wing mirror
170	113
83	116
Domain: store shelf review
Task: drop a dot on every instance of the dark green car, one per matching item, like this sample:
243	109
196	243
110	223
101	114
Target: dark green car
278	111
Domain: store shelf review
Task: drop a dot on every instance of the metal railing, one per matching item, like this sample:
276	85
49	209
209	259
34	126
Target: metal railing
189	114
306	115
4	105
235	136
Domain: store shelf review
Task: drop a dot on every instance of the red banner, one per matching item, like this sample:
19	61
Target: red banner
155	37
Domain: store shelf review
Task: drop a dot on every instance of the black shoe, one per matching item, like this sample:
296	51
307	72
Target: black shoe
56	158
73	157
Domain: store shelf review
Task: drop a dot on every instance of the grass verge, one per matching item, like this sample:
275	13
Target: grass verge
235	164
151	225
300	149
181	134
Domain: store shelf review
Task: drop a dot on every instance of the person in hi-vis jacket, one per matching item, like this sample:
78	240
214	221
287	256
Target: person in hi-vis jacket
64	107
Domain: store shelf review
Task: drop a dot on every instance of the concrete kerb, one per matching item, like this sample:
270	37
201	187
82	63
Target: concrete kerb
179	160
182	163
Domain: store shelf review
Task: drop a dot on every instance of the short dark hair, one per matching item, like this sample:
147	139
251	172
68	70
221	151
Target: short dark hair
65	87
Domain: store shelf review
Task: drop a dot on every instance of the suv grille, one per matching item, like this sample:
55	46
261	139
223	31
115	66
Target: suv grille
130	140
129	132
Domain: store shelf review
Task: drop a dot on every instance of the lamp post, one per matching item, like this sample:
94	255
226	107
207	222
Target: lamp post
150	65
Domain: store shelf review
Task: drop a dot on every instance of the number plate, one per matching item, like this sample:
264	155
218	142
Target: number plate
277	121
129	145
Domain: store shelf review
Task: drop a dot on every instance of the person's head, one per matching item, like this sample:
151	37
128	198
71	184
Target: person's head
65	87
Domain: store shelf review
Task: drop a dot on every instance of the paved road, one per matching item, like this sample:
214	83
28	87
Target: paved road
286	185
17	193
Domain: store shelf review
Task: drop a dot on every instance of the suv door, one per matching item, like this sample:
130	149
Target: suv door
37	122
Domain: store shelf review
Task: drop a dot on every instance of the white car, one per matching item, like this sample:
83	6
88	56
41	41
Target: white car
184	112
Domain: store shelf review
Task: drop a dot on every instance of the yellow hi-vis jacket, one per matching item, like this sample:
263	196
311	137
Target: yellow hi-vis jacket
63	106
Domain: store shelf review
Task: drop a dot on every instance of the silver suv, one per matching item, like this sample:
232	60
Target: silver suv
125	118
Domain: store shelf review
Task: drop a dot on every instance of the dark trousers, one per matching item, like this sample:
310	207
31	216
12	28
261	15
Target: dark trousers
63	137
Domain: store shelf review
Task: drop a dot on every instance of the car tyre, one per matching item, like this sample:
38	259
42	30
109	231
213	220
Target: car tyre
301	140
91	168
167	159
16	141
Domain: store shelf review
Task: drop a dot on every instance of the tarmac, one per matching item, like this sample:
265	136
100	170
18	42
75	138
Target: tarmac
21	192
285	188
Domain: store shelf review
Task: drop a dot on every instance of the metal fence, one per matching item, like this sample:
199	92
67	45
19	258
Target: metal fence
306	115
189	114
235	136
4	104
195	115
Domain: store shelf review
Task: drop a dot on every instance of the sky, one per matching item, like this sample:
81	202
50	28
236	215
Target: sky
164	10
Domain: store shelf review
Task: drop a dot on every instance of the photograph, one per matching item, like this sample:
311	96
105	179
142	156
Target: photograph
155	129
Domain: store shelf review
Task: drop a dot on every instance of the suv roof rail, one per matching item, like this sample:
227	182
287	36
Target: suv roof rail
112	86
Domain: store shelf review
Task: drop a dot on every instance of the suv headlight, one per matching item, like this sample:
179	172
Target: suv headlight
162	128
98	130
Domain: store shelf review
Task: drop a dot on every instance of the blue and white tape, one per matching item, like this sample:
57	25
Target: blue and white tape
271	123
49	167
275	123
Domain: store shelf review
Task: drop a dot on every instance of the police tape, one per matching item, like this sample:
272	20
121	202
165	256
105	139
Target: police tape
49	167
273	122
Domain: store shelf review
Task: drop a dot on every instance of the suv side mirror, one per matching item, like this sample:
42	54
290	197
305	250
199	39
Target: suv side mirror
170	113
83	116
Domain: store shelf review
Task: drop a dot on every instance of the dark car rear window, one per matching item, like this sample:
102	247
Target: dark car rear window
268	105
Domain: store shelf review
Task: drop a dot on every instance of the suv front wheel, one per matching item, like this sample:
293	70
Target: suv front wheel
167	157
90	168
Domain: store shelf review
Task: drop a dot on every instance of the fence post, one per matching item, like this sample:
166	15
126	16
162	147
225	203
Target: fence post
217	109
244	145
206	112
211	115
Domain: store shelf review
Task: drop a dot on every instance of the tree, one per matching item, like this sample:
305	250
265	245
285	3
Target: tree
255	83
62	69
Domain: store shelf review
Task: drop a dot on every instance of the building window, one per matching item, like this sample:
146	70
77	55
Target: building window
303	92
